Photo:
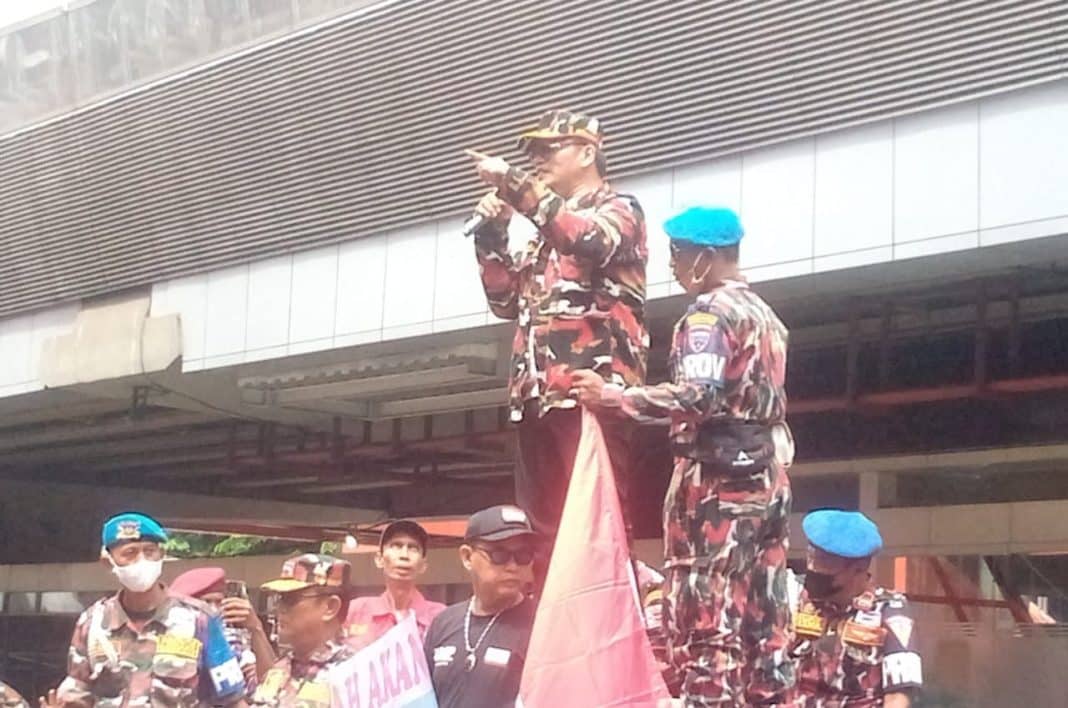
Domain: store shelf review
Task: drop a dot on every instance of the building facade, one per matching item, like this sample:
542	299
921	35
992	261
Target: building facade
235	289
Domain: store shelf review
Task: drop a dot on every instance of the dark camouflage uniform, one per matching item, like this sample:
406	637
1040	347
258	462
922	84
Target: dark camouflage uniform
578	292
10	698
291	683
113	664
726	612
854	656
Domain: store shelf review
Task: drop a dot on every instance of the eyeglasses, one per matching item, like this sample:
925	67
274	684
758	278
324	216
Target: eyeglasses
289	600
676	250
501	556
543	150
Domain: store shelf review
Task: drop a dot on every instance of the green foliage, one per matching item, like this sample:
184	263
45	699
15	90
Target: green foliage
209	545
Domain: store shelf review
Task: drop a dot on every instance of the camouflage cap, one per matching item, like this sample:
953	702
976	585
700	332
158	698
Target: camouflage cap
312	570
564	124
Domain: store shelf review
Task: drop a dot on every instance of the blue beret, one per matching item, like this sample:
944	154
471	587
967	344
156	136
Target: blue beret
706	227
848	534
131	527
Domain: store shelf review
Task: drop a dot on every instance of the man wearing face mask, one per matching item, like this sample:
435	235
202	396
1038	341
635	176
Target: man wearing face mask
577	292
311	600
725	606
146	645
854	643
476	649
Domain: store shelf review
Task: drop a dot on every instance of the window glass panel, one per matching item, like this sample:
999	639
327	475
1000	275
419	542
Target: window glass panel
270	16
61	603
97	36
21	603
227	23
992	484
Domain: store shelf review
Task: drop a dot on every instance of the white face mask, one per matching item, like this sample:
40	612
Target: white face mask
139	576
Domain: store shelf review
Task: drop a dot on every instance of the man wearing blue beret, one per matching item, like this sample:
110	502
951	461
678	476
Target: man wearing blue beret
146	645
726	612
854	643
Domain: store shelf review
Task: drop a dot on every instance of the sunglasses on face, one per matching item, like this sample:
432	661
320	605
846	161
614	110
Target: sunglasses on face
501	556
287	601
544	150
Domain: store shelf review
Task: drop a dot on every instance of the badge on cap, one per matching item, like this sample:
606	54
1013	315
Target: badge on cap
513	515
128	531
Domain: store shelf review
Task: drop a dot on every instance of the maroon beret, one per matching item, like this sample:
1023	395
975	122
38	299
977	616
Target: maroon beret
199	581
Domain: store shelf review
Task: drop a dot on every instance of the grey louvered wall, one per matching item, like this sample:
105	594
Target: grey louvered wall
358	126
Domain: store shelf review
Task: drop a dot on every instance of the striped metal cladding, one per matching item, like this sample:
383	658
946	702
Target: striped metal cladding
358	126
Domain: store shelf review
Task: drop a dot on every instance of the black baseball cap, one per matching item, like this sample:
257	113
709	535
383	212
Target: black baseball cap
498	523
407	526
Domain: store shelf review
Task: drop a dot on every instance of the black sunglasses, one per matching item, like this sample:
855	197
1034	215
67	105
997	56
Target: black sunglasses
500	556
543	149
289	600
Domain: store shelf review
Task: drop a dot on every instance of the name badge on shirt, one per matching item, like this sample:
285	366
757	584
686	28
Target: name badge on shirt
809	623
270	686
315	693
853	633
495	656
443	656
181	647
868	619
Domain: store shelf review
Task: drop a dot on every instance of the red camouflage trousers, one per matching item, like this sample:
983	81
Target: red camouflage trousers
726	609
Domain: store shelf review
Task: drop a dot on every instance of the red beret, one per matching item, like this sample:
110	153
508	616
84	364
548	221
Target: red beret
199	581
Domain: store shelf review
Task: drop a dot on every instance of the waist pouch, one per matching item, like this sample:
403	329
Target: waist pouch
731	449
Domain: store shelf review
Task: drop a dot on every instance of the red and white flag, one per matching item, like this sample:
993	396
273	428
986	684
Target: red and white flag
589	646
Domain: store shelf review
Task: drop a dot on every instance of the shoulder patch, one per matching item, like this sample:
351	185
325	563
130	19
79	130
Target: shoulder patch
901	626
701	319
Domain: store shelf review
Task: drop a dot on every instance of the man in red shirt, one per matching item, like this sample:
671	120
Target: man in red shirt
402	558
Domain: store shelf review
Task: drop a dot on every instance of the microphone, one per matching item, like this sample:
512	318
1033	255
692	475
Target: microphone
472	225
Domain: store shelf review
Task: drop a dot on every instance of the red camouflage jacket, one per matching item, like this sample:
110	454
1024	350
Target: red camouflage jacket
577	291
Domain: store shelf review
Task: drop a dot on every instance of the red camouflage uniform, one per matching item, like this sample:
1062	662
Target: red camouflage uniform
853	657
726	609
577	292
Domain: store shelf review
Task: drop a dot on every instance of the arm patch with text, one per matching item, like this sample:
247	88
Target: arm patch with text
704	350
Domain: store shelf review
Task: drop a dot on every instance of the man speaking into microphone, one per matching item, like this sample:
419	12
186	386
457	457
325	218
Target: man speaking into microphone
577	293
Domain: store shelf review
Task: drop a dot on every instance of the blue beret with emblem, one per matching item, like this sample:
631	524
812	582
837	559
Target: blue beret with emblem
131	526
707	227
849	534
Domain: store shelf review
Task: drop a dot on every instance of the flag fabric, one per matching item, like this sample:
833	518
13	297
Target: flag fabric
588	646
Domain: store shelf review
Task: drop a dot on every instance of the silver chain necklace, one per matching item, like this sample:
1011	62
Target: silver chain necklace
469	664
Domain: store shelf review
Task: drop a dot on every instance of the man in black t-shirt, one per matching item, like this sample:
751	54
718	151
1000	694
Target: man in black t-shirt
476	648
